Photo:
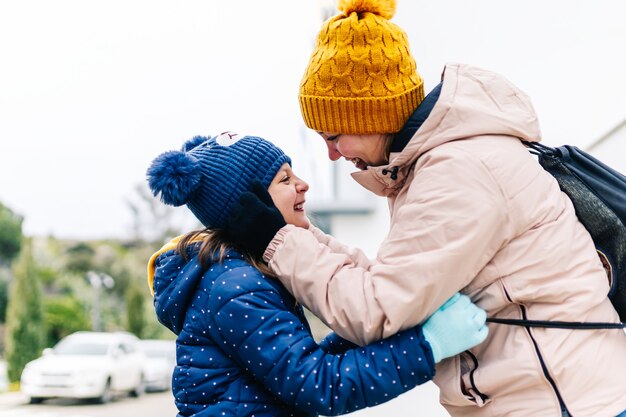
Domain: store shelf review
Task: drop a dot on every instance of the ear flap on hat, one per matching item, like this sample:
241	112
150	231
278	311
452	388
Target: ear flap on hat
175	175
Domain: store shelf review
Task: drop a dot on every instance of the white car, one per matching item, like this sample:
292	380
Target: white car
90	365
160	363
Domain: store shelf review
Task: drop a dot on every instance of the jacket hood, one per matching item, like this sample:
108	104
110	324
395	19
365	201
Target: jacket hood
472	102
173	281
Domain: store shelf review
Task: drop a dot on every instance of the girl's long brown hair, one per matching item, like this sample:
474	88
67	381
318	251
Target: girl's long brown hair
215	242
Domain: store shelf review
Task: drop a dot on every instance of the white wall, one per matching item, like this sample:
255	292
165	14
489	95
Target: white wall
612	150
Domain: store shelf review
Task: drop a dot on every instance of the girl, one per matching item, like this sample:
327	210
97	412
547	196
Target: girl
244	347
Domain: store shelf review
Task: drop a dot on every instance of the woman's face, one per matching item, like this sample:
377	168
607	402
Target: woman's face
361	150
287	192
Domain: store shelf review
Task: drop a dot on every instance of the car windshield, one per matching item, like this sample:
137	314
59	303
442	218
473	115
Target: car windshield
81	348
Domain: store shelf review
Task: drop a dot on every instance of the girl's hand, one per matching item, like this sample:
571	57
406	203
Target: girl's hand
254	221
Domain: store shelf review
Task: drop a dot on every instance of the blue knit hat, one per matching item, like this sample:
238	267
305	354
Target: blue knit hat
210	174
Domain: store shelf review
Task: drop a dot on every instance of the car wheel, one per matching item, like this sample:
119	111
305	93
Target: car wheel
106	396
139	389
35	400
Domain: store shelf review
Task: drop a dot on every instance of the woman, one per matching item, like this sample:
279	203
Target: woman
244	347
470	211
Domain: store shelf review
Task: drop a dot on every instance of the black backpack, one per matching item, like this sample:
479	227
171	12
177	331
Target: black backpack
599	196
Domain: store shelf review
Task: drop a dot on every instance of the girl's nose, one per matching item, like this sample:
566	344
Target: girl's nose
333	154
303	186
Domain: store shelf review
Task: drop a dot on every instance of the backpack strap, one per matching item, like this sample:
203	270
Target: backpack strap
579	325
538	148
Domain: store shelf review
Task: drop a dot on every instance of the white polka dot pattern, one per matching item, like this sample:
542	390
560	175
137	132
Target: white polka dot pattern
244	348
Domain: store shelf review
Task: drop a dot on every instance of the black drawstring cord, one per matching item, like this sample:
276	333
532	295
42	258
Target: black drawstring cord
394	172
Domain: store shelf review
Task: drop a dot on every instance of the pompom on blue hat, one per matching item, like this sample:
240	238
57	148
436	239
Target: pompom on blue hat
209	175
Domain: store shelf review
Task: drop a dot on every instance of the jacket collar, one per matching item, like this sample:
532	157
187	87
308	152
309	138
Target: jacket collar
416	120
383	180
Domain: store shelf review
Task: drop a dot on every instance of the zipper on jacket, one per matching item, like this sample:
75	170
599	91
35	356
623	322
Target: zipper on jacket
544	368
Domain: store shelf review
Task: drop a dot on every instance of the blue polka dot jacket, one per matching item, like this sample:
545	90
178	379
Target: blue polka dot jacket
244	347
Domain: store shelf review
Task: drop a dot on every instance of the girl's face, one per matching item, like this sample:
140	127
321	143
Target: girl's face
361	150
287	192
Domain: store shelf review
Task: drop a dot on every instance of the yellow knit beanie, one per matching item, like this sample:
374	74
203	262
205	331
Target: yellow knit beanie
361	78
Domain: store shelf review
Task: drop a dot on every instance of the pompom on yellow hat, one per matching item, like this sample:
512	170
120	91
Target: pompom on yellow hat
361	78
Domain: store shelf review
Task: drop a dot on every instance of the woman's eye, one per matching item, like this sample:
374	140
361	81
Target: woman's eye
331	138
285	179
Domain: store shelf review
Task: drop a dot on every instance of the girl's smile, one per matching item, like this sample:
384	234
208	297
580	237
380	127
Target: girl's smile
288	194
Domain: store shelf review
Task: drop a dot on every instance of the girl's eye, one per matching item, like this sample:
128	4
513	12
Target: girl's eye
285	179
331	138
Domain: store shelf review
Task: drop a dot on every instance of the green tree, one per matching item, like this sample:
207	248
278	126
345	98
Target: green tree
25	325
64	314
10	234
5	278
4	299
10	244
79	258
136	311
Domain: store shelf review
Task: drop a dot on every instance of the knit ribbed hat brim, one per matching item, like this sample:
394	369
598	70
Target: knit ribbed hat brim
210	175
360	116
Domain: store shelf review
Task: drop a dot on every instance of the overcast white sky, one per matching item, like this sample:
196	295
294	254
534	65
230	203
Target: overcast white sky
91	92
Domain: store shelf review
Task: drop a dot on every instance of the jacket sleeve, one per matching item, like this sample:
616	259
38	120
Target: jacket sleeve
444	234
269	341
333	343
356	255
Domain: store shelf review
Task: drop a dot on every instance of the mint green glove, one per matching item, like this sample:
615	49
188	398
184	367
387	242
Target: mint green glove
455	327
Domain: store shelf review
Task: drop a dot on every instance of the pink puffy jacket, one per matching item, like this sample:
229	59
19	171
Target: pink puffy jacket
471	210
